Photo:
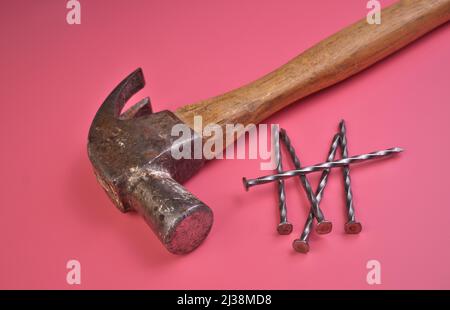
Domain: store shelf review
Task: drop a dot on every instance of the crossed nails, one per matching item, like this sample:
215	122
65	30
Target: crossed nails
323	226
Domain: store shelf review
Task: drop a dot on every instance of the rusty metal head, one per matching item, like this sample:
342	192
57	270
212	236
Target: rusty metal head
284	228
300	246
353	227
131	156
324	227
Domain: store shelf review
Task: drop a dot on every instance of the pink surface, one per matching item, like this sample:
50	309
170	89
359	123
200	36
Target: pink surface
54	76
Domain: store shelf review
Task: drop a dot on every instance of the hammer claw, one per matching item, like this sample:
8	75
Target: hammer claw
141	108
115	102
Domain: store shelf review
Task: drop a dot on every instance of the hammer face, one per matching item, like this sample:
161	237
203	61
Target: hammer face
180	220
132	160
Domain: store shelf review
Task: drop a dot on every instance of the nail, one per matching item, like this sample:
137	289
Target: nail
284	227
352	226
323	226
322	166
301	245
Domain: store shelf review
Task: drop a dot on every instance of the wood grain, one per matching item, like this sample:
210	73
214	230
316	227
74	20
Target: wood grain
332	60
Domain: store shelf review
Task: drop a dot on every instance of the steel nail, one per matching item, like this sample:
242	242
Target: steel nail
284	227
323	226
301	245
321	167
352	226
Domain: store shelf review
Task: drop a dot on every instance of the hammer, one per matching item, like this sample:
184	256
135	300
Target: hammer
131	151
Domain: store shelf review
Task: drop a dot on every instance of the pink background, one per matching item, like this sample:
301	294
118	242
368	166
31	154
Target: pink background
54	76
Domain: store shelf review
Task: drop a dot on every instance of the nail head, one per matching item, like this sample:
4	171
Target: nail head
284	228
300	246
324	227
353	228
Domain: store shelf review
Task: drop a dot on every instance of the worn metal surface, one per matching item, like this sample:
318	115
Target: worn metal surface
132	160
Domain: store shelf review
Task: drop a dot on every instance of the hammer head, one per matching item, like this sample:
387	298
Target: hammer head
131	156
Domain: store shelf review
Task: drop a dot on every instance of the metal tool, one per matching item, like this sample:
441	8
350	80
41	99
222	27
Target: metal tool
301	245
352	226
131	152
323	226
132	161
321	167
284	227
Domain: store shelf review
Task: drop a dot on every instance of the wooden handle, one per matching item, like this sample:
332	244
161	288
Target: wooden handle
332	60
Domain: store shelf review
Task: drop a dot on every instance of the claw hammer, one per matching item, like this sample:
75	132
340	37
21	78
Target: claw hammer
130	151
